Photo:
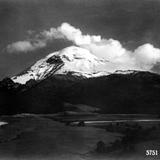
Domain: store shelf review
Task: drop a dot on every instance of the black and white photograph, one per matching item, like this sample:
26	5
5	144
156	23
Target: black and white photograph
79	79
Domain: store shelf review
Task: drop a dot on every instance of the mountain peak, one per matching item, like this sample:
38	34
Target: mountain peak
73	52
75	60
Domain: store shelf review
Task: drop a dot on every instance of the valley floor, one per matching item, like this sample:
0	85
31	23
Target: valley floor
33	137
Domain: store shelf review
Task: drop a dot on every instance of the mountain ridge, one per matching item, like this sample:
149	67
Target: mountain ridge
70	59
136	92
57	80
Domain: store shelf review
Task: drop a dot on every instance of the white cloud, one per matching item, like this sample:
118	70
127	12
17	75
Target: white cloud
53	33
76	36
144	57
24	46
147	56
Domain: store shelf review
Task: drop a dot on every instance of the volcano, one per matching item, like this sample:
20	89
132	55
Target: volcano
74	75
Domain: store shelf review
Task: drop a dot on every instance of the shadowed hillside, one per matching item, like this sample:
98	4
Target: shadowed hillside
137	92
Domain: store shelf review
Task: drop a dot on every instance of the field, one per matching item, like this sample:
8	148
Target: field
79	137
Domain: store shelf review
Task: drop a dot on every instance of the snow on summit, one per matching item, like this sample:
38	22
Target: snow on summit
75	60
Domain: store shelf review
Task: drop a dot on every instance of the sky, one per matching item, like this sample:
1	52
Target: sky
133	26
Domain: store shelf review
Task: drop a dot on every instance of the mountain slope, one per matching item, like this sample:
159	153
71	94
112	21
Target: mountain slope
136	92
73	75
117	93
74	60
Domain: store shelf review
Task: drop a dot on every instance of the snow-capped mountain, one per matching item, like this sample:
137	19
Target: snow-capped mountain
74	75
74	60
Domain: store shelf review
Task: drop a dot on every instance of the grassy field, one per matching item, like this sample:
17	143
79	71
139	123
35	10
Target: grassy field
35	137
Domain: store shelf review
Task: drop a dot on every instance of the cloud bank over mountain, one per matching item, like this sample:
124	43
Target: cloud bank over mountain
144	57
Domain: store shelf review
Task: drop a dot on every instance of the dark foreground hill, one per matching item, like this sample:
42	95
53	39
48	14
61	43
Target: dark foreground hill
137	92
